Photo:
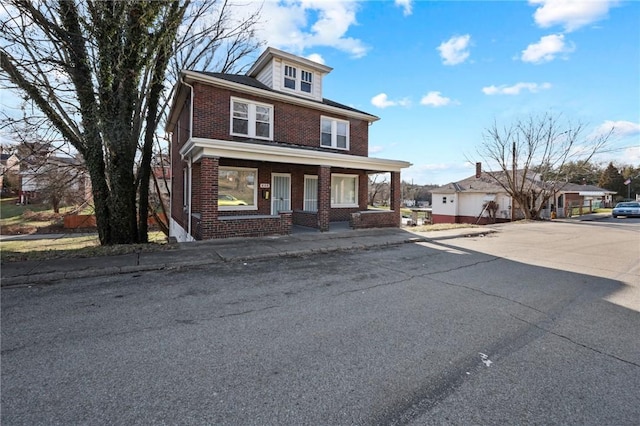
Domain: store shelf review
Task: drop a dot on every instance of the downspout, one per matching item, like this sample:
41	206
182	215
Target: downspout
190	158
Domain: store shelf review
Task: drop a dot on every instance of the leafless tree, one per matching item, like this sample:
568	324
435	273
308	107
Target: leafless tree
378	188
101	73
519	156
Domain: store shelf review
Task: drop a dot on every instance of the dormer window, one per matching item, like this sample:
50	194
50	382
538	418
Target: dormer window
298	79
290	77
306	79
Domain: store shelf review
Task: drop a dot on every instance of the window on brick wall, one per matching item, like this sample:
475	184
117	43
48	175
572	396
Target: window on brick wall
185	189
254	120
310	193
334	133
344	190
237	188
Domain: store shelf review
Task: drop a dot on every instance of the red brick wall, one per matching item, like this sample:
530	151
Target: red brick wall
293	124
443	218
208	191
178	138
308	219
374	219
248	227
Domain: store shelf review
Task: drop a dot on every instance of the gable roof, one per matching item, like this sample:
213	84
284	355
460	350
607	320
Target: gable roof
271	52
471	184
249	85
487	184
252	82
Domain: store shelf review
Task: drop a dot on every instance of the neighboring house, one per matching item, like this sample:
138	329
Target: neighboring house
254	154
481	199
9	169
584	197
54	177
465	201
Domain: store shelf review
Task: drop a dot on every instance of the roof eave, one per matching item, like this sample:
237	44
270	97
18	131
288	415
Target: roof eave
201	147
194	76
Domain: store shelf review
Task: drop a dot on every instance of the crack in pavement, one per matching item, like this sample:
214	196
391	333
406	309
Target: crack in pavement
569	339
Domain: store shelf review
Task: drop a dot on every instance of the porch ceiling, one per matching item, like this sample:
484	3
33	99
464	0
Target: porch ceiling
197	148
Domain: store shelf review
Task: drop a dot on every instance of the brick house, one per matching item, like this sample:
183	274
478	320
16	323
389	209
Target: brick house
255	154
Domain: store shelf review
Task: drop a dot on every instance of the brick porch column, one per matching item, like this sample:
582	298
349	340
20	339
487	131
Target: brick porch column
324	197
208	195
396	196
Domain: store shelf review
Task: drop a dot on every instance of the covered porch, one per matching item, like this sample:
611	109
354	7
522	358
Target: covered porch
250	189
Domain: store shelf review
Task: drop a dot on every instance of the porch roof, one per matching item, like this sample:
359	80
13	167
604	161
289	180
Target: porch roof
196	148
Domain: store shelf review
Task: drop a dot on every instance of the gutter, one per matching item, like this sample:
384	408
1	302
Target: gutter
189	164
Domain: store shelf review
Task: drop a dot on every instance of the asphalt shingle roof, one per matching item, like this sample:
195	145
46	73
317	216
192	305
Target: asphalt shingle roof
252	82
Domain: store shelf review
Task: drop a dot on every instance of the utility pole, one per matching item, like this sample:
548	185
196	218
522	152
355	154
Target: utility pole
513	166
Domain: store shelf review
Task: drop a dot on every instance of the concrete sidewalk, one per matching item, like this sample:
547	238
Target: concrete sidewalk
218	251
234	249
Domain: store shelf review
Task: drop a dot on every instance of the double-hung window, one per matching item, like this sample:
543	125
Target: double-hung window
298	79
334	133
306	80
310	193
251	119
344	190
290	77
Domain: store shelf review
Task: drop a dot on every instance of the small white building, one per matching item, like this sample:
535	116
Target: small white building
472	200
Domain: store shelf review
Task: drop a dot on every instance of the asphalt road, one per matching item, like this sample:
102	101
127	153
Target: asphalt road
537	324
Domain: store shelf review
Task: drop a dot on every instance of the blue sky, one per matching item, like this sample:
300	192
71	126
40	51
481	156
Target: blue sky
438	73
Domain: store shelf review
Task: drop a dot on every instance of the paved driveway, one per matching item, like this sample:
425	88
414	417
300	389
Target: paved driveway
526	326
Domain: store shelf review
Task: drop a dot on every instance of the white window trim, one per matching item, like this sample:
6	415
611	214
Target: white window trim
255	189
357	184
298	79
304	192
334	133
251	118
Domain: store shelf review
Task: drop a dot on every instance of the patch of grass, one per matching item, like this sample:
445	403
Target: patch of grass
74	246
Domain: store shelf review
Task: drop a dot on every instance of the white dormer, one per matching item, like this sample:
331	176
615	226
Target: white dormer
288	73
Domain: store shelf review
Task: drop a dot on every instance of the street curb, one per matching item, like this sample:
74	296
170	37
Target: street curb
52	277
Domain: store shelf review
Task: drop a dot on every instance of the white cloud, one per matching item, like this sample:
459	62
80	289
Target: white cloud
375	149
406	5
382	101
546	49
316	57
296	25
571	14
455	50
515	89
435	99
621	129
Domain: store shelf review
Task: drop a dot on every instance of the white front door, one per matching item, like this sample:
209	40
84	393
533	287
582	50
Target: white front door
280	192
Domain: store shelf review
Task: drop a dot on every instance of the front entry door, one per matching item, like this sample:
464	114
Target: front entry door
280	192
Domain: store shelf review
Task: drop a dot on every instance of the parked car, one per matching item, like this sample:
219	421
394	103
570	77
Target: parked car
626	209
230	200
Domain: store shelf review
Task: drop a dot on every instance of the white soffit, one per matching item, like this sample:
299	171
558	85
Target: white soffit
200	147
591	194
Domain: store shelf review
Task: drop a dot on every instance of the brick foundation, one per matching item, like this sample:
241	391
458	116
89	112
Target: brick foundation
374	219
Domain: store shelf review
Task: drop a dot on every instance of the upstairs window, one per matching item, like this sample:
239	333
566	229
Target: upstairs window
306	79
290	77
334	133
298	79
251	119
